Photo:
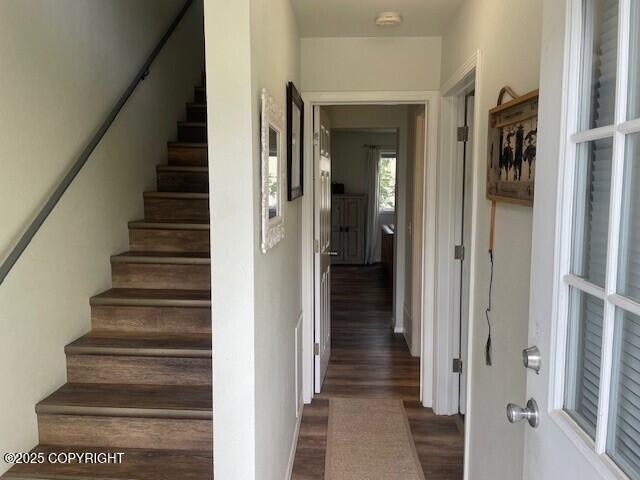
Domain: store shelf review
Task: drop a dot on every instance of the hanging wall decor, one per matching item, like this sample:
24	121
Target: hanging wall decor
295	148
513	131
273	172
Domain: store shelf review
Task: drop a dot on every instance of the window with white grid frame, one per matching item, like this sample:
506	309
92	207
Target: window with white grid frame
600	291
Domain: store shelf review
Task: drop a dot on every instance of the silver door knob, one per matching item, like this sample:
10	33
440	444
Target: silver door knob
531	414
332	254
532	359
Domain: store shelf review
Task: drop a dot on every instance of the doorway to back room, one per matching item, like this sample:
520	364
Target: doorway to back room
369	207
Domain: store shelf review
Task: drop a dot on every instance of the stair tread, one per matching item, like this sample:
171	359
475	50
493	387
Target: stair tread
185	401
169	225
180	195
137	464
187	258
153	297
188	144
136	344
180	168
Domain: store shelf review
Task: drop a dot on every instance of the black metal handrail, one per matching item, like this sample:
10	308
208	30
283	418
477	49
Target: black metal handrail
52	201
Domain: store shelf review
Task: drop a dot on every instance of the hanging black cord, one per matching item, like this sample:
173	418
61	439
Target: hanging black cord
487	352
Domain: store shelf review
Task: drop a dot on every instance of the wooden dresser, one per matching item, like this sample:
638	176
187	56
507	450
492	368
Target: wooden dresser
348	227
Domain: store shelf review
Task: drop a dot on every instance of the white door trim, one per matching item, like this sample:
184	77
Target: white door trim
446	388
447	332
430	99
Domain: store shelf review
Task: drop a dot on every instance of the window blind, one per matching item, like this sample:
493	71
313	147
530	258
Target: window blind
591	230
605	56
623	443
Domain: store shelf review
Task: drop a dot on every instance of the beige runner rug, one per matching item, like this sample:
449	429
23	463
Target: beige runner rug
370	439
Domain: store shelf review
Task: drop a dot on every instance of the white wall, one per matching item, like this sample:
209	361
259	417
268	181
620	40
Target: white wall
349	156
232	133
64	64
508	32
278	275
256	297
370	64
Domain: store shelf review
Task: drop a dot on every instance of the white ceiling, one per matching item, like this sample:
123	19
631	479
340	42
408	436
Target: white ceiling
356	18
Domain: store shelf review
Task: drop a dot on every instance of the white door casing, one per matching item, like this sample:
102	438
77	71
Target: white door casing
322	224
431	101
448	334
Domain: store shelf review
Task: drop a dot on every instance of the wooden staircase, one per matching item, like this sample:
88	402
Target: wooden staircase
140	381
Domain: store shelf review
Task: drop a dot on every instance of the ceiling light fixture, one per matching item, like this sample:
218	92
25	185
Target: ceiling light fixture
387	19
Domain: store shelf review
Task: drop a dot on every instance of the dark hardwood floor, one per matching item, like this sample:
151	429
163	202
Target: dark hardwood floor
369	360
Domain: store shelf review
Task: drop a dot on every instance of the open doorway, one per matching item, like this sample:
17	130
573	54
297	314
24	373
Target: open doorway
367	155
373	206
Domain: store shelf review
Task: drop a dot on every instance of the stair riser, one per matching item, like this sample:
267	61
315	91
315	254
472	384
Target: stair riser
156	240
138	370
176	210
158	275
192	133
151	319
196	114
187	156
200	95
125	432
195	182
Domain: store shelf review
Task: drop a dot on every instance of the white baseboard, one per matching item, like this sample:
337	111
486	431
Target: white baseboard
294	444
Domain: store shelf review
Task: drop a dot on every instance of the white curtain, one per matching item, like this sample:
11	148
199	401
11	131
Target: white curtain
373	229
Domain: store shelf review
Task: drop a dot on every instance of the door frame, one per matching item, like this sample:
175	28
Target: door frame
453	92
447	387
430	99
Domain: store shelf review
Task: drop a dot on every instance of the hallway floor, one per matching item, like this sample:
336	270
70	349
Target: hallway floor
369	361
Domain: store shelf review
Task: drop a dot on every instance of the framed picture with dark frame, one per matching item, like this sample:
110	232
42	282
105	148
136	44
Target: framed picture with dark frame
295	144
513	132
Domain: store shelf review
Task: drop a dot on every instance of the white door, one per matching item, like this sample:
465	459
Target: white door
322	244
415	232
585	281
464	175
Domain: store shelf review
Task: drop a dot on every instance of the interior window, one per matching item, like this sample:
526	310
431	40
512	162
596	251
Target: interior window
387	182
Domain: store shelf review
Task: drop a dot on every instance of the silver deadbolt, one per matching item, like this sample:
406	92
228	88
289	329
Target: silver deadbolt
532	359
531	414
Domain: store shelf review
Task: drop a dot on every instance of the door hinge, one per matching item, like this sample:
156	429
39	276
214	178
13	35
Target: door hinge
316	138
316	246
458	252
463	134
457	365
316	349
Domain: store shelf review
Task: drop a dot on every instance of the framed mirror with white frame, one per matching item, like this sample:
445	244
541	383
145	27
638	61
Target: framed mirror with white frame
273	160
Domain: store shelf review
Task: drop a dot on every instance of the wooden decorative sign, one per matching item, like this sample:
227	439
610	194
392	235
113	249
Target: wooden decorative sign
513	131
